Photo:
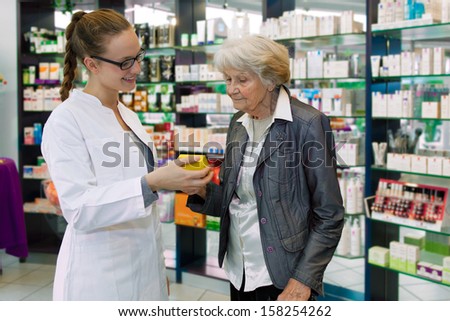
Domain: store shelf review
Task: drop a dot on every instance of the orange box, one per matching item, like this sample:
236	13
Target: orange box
183	214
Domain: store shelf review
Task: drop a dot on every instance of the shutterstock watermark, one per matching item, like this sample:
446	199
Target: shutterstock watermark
288	154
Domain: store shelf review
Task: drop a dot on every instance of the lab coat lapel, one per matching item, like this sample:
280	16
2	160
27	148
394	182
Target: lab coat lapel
139	131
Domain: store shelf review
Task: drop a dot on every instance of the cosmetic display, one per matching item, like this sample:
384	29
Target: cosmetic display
416	205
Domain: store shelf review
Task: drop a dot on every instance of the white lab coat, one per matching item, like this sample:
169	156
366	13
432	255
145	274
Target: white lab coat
112	248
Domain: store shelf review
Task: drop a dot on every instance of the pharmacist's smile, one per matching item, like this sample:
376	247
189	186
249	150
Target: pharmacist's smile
129	79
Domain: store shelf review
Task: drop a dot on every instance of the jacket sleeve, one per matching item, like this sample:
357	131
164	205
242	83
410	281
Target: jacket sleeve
209	206
326	207
85	205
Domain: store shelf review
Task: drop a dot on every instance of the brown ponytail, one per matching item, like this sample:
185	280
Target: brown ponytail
86	35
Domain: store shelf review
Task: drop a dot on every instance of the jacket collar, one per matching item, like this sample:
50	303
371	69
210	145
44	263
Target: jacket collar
281	112
276	135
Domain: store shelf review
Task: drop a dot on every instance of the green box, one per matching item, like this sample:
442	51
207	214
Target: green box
417	240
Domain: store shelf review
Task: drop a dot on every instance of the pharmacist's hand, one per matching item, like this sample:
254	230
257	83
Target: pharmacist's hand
173	177
295	291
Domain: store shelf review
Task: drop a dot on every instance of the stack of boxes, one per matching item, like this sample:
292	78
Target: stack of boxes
407	256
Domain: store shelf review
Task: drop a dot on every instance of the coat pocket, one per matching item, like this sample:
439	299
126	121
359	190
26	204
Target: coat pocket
107	159
295	242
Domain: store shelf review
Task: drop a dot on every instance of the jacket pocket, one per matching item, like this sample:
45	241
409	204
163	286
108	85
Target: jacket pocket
283	166
295	242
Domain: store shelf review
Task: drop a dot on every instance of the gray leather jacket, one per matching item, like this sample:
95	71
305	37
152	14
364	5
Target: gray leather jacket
298	197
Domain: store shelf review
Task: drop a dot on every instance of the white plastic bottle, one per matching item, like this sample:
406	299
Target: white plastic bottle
359	189
343	247
355	238
342	185
350	197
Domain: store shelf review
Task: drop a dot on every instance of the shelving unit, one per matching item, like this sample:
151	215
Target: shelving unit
40	227
382	283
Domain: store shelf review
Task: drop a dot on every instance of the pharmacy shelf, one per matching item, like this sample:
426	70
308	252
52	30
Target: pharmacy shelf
209	49
145	84
342	79
443	231
384	169
417	33
160	51
350	166
350	117
425	256
415	78
200	82
410	118
352	257
306	43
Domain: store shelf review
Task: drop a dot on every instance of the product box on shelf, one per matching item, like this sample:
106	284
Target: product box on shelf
446	167
379	256
446	270
184	215
417	240
418	205
430	271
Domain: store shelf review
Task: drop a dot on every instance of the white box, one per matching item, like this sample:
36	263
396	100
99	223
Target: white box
390	161
54	71
381	13
445	11
379	255
315	64
299	25
405	162
336	69
379	104
407	101
419	164
394	105
446	263
44	70
426	67
430	109
399	10
352	154
435	165
394	65
39	94
446	167
406	63
438	61
445	107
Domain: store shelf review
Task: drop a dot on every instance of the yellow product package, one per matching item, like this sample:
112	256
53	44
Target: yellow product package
202	163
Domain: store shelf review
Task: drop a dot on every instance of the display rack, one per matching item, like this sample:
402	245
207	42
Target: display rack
382	282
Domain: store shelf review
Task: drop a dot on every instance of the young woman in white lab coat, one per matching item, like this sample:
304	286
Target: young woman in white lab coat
100	159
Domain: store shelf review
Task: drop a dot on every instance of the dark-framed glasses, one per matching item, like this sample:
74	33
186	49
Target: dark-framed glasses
126	64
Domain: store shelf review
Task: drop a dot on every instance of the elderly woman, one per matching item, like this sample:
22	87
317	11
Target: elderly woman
279	199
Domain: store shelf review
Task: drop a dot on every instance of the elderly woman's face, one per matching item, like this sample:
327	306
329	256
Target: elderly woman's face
246	90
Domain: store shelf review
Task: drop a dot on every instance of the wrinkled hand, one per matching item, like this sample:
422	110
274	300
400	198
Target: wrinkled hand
295	291
173	177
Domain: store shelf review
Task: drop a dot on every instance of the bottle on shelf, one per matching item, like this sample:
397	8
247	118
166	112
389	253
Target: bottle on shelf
355	238
343	247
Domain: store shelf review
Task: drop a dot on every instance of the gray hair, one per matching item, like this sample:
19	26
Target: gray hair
261	55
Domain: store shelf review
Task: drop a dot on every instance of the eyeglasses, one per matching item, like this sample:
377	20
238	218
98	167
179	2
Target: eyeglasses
126	64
